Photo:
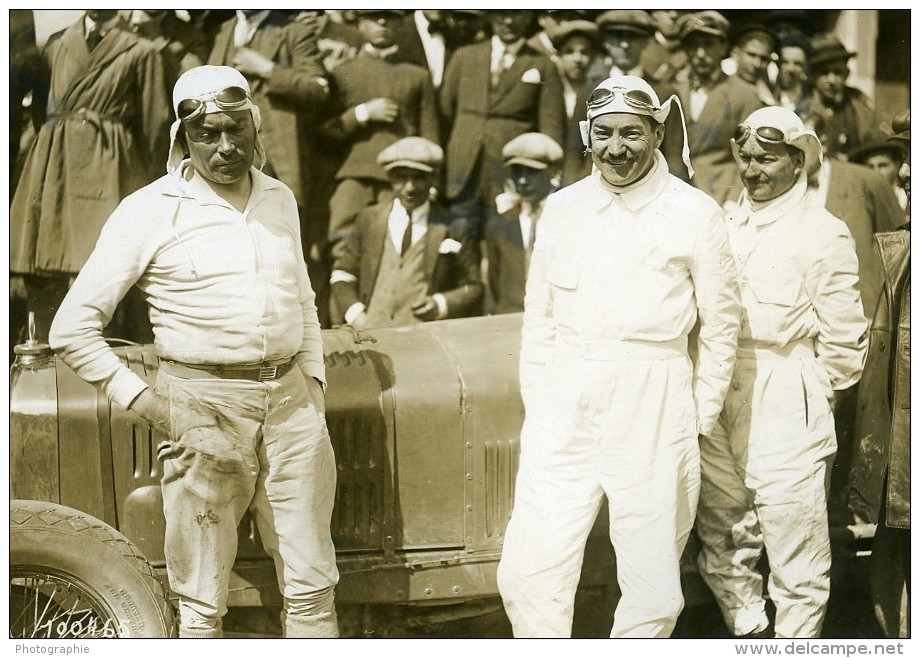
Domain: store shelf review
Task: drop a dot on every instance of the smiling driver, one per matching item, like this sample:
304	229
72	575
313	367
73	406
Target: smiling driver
625	262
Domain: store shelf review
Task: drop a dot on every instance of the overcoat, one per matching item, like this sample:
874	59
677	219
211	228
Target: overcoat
105	137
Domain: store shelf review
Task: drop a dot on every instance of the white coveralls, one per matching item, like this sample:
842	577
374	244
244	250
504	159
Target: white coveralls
613	405
766	464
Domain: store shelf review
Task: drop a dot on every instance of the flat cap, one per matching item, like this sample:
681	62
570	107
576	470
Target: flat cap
563	31
826	48
534	150
901	126
413	153
630	20
742	33
707	22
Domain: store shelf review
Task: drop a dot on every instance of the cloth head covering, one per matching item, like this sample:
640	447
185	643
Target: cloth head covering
794	131
204	82
617	104
534	150
412	153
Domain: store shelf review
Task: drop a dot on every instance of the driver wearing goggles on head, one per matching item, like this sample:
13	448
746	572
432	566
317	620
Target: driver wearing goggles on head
766	462
624	263
215	247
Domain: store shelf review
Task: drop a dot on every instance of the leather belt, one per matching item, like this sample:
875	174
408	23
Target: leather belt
262	372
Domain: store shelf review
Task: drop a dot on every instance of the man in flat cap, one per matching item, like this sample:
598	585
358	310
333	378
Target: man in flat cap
376	100
753	48
766	463
401	263
626	261
215	247
625	34
532	167
578	47
842	116
715	104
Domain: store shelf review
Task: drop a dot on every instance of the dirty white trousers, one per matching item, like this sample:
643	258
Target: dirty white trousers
765	476
241	445
621	423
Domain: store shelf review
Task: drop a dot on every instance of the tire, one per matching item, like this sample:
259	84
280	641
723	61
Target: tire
73	576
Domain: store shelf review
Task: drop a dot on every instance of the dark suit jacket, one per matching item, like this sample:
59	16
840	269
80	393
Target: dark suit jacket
507	260
365	78
289	100
482	120
729	103
456	275
867	204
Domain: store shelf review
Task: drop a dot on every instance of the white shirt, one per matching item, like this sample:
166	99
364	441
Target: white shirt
433	44
528	216
225	287
396	223
503	55
396	228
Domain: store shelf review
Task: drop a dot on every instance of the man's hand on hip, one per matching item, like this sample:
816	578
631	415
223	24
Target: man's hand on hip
153	408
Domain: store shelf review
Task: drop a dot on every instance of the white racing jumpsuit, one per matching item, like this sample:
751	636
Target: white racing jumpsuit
766	464
613	405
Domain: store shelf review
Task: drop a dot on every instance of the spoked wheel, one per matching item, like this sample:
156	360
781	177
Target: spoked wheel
56	605
73	576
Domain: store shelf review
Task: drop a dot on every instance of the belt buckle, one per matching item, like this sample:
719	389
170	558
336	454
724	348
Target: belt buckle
268	372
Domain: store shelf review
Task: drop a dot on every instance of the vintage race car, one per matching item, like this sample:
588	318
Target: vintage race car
424	421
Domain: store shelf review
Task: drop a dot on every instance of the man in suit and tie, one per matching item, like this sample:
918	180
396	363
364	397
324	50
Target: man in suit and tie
400	265
492	92
532	166
715	104
281	60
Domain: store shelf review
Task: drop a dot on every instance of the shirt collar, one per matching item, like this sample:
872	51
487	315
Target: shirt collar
254	20
419	215
499	46
197	188
638	194
381	53
102	28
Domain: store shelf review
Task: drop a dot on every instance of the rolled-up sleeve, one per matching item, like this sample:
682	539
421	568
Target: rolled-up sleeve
719	307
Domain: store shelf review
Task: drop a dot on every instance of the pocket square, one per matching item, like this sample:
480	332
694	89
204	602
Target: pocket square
532	76
449	246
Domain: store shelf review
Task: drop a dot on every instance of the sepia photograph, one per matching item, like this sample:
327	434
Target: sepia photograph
449	324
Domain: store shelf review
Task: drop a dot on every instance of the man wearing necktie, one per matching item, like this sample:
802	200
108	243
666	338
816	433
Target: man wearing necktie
492	92
532	165
375	102
400	264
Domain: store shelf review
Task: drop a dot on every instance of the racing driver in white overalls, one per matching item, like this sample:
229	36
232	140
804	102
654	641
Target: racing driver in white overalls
625	263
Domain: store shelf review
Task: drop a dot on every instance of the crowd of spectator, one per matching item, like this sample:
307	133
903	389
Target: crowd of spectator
337	88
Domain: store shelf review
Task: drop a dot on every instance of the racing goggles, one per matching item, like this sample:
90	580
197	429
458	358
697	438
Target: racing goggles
763	134
227	99
635	98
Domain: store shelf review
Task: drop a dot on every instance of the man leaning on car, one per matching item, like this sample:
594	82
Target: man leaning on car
215	246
